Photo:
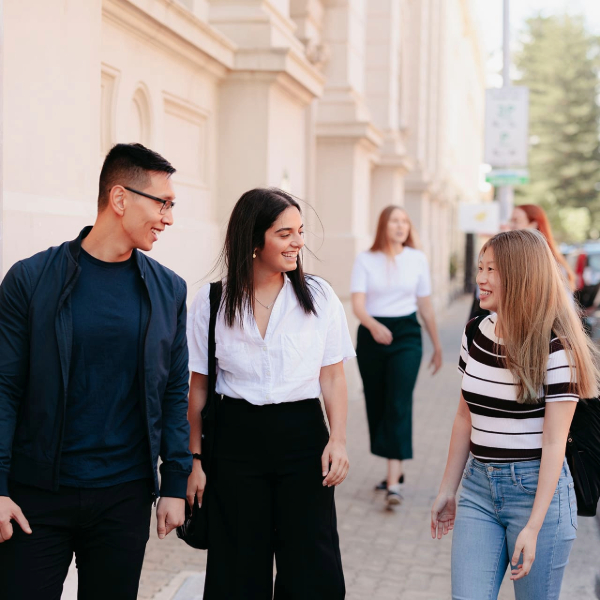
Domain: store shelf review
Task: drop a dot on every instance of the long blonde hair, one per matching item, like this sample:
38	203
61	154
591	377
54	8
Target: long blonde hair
381	242
533	305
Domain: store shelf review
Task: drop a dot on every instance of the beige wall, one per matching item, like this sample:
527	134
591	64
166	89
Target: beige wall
51	122
350	104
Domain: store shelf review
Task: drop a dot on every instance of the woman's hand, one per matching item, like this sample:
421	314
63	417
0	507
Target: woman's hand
196	484
443	513
436	361
381	334
525	544
335	463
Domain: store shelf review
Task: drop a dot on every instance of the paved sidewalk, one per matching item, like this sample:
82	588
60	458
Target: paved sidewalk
387	555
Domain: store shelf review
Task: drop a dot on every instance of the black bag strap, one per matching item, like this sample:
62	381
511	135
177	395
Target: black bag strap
471	329
209	411
216	291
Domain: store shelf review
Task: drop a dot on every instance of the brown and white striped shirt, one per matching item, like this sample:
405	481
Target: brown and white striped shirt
502	429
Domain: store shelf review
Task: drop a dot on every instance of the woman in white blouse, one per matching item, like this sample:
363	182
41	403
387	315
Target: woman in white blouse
390	283
281	341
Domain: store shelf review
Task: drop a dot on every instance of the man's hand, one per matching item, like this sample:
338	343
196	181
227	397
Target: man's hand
9	510
170	513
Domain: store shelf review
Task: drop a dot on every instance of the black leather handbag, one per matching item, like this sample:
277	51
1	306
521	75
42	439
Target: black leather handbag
194	530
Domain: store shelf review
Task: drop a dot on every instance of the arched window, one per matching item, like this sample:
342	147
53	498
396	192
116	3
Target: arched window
139	124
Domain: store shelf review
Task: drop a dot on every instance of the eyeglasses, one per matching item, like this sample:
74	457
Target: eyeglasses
167	205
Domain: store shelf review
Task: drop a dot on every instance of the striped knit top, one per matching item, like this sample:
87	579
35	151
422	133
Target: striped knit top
502	429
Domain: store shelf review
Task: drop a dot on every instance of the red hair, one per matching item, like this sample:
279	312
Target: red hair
536	214
381	243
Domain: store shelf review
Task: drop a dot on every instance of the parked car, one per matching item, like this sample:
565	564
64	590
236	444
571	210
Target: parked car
585	262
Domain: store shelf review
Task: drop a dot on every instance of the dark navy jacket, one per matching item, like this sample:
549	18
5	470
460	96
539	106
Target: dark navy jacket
36	332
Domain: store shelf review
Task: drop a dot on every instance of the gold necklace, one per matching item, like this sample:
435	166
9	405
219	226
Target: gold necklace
267	306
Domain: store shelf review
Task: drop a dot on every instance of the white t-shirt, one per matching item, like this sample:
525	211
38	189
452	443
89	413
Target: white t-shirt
393	285
285	366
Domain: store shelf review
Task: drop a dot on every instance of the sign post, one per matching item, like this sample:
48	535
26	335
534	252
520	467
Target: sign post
507	131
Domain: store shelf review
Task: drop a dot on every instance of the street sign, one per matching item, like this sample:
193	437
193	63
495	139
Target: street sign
479	218
507	177
507	126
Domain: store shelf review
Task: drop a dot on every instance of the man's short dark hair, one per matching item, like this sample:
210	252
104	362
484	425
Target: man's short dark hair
129	165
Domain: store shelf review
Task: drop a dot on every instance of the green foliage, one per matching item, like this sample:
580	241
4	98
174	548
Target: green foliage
559	61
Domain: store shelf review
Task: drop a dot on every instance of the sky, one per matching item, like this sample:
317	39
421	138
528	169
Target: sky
489	15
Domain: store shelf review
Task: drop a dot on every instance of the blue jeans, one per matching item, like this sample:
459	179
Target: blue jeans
494	506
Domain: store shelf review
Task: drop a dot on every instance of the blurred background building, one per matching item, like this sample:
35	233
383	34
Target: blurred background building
349	104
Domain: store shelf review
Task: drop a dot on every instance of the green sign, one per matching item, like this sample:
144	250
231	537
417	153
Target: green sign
507	177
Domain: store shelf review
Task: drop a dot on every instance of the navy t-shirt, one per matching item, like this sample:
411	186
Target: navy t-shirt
105	439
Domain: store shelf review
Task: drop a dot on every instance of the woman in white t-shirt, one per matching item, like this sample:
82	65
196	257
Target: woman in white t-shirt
390	283
281	340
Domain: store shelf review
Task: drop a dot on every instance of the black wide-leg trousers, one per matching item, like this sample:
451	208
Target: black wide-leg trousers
106	528
389	374
266	499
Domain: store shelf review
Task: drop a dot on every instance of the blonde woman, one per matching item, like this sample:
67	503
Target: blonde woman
390	283
527	365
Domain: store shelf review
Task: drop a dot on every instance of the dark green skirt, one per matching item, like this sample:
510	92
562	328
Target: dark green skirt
389	374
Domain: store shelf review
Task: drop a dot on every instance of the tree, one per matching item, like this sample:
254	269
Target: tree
559	61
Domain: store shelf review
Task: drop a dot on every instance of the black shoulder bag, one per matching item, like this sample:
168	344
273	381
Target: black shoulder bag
194	530
583	455
583	445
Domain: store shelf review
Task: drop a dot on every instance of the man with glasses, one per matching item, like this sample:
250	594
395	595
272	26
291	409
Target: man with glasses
93	389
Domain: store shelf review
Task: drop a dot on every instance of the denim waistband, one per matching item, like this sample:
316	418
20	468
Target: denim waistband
512	469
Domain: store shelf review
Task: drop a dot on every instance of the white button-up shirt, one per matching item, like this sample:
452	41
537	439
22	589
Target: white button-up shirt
286	364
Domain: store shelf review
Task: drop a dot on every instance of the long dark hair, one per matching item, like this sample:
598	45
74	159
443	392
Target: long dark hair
253	214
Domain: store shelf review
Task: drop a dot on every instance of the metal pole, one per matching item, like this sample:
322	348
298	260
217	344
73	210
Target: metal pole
506	192
506	45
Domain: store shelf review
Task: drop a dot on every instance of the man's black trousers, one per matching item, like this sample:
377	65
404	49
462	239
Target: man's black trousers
267	501
107	529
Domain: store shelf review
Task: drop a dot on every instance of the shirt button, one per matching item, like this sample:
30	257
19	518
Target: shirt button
268	396
264	348
490	469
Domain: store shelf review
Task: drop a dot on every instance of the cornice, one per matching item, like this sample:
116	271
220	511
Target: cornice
419	181
293	71
363	132
166	23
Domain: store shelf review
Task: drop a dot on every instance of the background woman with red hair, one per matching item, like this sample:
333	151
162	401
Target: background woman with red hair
532	216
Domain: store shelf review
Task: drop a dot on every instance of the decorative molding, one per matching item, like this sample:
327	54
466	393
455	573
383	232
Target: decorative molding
197	118
300	76
362	132
109	84
242	15
141	103
168	25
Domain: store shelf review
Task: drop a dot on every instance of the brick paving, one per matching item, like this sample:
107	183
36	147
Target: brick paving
389	555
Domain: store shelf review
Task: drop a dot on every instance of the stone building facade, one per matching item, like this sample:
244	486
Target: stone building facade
349	104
